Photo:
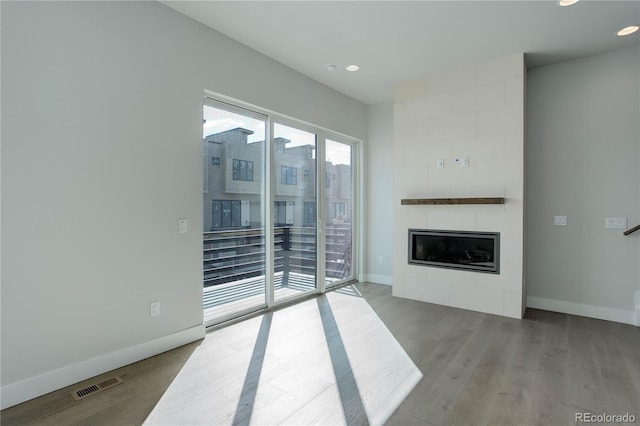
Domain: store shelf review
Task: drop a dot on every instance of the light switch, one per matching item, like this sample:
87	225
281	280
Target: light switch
182	226
560	221
440	163
615	223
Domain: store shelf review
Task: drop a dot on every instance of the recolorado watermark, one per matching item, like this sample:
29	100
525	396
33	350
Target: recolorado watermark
604	418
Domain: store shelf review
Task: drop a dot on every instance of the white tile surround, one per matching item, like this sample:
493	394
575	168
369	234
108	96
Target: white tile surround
475	111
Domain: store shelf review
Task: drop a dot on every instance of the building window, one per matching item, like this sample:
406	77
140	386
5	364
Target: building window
306	172
243	170
339	210
309	214
283	213
327	180
288	175
215	161
226	214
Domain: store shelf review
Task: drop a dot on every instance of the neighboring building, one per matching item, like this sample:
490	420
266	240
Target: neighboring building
233	183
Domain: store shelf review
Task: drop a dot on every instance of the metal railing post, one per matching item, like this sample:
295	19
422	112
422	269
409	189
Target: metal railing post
286	247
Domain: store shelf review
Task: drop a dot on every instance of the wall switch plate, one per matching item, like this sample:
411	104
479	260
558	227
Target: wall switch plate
154	309
615	223
381	259
560	221
440	163
183	226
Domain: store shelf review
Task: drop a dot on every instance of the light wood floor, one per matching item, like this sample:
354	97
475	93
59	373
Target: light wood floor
476	369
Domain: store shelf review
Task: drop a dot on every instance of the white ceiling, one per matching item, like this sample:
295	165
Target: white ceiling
395	41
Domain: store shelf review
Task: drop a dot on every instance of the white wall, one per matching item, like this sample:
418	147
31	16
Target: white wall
101	154
378	187
474	111
583	161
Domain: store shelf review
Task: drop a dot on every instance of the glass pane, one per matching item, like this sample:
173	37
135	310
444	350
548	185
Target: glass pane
339	212
294	234
226	214
217	215
235	214
234	229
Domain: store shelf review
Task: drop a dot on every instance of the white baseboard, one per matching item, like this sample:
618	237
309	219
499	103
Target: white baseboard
637	297
591	311
378	279
30	388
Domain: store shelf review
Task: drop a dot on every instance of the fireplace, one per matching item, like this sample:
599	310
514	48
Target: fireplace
470	251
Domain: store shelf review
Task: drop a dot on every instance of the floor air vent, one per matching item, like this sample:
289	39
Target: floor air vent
96	387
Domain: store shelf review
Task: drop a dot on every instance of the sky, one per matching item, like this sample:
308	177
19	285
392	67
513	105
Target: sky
218	120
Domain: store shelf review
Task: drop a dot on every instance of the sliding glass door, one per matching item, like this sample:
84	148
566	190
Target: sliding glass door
233	199
294	211
339	212
278	223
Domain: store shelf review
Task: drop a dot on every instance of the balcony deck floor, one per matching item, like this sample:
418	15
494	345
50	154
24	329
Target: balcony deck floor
221	301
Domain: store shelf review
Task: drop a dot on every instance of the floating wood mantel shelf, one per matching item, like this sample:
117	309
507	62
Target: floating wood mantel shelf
434	201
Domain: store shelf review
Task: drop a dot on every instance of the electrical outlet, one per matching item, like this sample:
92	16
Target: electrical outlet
462	161
560	221
154	308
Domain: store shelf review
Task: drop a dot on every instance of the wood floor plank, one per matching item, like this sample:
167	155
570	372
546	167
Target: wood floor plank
628	338
325	410
514	394
621	394
585	379
443	395
481	394
550	387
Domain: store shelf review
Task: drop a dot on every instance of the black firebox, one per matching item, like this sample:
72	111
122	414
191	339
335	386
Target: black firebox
467	250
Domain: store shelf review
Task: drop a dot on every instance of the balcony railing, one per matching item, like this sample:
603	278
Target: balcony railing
239	254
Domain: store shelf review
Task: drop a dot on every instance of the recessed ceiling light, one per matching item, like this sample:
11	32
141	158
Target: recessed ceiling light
353	68
567	2
330	67
628	30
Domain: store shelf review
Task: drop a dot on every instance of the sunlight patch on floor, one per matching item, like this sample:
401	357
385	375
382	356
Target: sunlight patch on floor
328	360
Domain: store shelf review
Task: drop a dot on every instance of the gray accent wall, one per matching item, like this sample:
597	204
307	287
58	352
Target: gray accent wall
583	162
101	155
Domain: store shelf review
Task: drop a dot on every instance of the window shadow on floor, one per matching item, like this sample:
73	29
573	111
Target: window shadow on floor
350	398
252	378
